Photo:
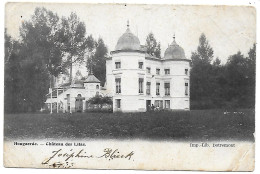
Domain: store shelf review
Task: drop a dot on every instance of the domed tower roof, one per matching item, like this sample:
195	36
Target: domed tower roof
174	51
128	41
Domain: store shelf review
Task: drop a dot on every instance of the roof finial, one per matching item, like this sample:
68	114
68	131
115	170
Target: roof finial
127	23
174	42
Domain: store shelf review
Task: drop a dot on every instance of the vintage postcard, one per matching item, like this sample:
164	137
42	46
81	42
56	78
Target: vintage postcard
127	86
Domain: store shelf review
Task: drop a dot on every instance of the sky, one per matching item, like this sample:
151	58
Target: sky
229	29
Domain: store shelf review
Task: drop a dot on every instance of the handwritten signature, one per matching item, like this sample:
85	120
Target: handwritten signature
62	159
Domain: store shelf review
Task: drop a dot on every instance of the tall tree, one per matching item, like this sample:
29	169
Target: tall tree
40	56
97	61
31	64
42	34
9	46
13	76
73	41
218	84
251	61
240	76
237	79
217	62
153	48
201	74
92	44
204	53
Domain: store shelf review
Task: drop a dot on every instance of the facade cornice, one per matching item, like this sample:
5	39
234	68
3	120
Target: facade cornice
122	51
166	60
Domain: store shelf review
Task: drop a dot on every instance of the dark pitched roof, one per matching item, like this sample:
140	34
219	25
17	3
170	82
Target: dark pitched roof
91	79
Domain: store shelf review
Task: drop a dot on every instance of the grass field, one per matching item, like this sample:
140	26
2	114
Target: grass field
179	125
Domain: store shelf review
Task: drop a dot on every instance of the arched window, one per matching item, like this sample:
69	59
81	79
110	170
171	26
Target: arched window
97	87
79	95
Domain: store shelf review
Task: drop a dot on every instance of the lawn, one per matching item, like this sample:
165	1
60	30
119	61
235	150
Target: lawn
178	125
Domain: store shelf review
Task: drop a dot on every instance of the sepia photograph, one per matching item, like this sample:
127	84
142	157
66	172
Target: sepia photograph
129	86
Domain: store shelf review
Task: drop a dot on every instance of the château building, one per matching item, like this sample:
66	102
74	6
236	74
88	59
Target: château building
138	81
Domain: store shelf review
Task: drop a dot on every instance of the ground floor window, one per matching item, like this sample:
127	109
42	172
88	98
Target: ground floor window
68	98
68	102
118	103
167	104
158	104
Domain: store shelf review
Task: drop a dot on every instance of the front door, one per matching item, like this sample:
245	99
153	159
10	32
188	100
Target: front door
79	103
148	105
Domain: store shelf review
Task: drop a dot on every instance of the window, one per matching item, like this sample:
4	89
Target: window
167	104
97	87
186	71
167	88
186	88
68	98
141	81
140	65
158	104
148	70
78	98
118	103
157	71
167	71
118	85
118	65
157	88
148	88
68	102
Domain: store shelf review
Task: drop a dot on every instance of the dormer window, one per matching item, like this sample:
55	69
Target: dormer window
140	65
167	71
118	65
